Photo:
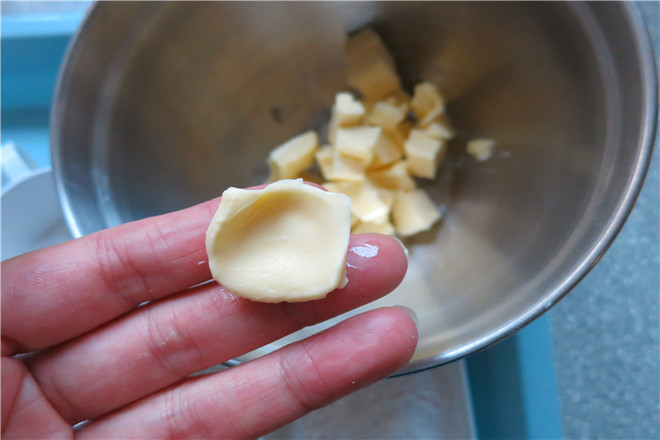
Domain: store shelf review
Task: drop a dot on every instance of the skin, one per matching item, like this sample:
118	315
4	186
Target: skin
76	346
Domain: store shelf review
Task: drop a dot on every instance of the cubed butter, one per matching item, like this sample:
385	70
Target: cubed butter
385	115
346	112
413	212
401	132
346	168
367	203
335	166
358	142
293	157
365	42
394	177
400	99
386	151
286	242
439	129
378	227
481	149
371	67
324	159
427	103
423	153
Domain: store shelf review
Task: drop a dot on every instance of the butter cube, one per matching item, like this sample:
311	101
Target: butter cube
413	212
401	132
346	168
386	115
386	195
367	203
324	159
423	153
371	67
293	157
365	42
373	78
346	112
378	227
401	99
427	103
386	151
395	177
481	149
335	166
358	142
440	129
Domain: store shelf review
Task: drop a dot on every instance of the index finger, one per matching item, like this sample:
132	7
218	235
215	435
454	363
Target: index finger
57	293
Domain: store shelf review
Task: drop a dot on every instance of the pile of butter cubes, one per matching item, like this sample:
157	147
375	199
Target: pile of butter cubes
377	145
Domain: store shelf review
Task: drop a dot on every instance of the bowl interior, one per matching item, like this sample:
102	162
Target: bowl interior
186	99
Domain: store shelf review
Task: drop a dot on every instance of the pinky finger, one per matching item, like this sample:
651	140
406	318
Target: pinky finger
260	396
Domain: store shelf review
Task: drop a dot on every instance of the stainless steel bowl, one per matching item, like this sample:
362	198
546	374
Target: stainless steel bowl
163	105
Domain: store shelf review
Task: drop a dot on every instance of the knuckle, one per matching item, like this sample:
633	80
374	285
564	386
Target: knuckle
116	270
173	349
303	381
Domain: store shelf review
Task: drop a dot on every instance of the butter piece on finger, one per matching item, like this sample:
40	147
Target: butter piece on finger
286	242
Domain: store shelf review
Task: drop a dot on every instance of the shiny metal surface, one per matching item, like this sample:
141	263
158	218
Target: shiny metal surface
163	105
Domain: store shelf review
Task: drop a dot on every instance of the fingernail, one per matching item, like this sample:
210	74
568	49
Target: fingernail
410	312
403	246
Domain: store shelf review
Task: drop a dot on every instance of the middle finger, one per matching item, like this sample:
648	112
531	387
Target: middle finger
166	341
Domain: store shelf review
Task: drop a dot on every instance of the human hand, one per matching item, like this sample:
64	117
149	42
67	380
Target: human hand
95	355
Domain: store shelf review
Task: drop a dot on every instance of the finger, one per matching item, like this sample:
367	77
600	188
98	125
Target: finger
54	294
160	344
25	411
260	396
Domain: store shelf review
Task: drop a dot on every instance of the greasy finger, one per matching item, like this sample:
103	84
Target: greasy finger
260	396
162	343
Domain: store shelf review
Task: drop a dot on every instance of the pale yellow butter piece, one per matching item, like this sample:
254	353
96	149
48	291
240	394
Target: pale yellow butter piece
358	142
335	166
413	212
366	42
346	112
386	151
287	242
293	157
401	132
324	157
423	153
401	99
394	177
439	130
427	103
347	109
386	115
481	149
367	203
378	227
346	168
371	67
